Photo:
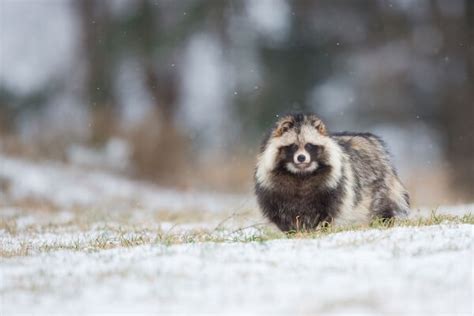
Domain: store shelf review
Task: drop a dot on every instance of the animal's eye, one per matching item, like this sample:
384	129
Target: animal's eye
292	147
311	147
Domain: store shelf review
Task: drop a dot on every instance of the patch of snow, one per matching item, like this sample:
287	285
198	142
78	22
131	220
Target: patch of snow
426	270
69	186
115	155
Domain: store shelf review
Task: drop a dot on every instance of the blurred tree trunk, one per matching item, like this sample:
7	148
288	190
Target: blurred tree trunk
5	121
457	106
160	154
95	22
159	145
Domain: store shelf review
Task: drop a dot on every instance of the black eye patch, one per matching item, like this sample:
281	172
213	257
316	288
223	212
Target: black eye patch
291	148
313	149
288	152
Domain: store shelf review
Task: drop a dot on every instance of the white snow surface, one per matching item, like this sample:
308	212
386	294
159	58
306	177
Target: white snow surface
97	252
419	271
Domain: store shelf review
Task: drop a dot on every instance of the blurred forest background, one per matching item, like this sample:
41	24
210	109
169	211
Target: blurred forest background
180	92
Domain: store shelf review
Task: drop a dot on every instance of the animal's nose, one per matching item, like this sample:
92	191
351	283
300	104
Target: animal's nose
301	158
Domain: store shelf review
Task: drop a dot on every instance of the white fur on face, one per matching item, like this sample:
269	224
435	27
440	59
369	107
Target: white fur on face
267	159
310	168
309	134
286	139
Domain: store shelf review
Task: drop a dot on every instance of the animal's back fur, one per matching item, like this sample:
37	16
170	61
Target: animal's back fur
377	190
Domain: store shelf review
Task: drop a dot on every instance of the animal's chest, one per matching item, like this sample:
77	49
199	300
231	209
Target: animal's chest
306	200
302	210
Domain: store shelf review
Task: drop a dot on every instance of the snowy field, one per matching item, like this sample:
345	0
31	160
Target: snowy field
87	242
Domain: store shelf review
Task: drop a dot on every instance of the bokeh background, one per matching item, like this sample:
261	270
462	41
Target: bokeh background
179	93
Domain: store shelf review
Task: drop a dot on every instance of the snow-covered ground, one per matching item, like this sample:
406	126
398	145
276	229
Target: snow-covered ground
83	242
68	186
419	271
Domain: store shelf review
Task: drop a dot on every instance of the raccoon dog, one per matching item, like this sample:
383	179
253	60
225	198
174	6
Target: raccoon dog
306	176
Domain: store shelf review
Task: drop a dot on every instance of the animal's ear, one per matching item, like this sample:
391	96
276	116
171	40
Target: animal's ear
319	125
283	126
